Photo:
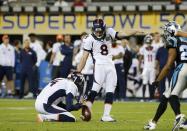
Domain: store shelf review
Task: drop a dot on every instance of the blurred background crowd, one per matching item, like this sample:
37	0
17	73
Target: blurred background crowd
31	64
28	61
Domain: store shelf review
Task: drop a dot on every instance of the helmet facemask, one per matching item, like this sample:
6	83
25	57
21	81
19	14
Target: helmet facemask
99	28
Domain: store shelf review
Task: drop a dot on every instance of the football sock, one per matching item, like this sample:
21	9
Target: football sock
66	118
107	109
175	104
161	108
144	89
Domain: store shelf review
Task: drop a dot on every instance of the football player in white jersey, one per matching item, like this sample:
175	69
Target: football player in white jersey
49	103
148	54
98	44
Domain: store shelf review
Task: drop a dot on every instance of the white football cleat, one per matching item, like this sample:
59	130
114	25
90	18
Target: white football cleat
178	121
107	119
184	125
150	126
39	118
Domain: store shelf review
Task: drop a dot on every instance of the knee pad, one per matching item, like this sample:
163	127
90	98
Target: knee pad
66	118
91	96
109	97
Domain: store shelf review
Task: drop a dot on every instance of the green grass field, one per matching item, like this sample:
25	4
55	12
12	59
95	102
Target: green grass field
20	115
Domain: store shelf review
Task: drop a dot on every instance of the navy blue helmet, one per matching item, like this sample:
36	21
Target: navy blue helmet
78	79
98	28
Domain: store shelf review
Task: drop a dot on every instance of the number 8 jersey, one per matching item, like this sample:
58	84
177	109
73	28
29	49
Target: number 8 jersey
100	49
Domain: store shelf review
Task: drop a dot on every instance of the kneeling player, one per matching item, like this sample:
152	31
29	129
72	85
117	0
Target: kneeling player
49	102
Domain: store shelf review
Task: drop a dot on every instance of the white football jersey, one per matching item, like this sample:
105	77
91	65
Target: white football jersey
157	45
54	86
149	54
100	49
115	51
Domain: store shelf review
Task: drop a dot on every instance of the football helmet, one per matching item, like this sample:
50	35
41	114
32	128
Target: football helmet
78	79
148	39
98	28
171	28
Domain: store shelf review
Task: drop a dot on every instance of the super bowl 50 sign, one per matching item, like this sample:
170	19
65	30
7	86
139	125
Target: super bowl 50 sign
78	23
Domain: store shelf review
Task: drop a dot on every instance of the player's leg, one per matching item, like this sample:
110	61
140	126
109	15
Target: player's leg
160	110
53	113
22	86
10	82
99	75
177	86
152	76
3	89
145	82
111	81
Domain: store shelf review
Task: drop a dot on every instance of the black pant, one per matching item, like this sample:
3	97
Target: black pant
120	92
29	74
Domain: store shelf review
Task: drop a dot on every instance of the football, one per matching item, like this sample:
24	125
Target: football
86	113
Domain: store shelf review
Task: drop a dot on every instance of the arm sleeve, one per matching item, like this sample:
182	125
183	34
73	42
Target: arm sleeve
69	103
87	44
72	89
112	33
158	54
34	57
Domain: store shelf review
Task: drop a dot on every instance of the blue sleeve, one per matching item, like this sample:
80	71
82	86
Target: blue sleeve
69	103
21	56
158	54
66	51
34	57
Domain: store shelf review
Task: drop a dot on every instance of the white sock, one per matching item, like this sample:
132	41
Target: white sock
50	117
107	109
89	104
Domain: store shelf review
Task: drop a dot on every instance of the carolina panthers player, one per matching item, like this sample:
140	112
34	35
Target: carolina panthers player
49	102
177	49
99	44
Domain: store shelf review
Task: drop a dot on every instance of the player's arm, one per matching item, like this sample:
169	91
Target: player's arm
181	34
52	58
83	61
119	56
69	103
122	35
172	54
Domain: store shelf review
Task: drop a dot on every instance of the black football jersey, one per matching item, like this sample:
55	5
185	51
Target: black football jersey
180	43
